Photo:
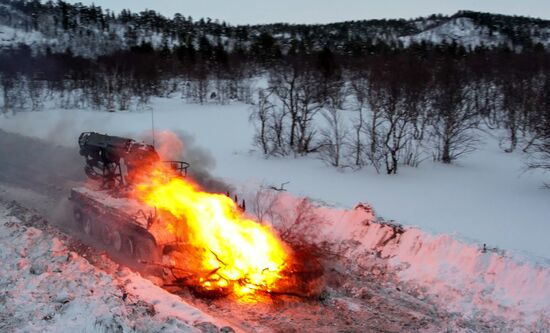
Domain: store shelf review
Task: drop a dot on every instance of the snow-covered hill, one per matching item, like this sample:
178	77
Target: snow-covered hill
91	31
462	31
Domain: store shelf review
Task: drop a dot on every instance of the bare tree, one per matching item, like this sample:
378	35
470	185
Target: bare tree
198	84
271	125
284	84
415	80
334	135
298	89
36	94
517	93
7	83
539	150
262	116
375	98
358	85
454	119
395	134
487	99
391	122
264	204
309	104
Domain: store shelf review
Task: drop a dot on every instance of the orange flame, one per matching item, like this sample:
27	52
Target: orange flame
237	252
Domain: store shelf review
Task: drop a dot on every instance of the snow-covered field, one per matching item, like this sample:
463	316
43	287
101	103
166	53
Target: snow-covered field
485	198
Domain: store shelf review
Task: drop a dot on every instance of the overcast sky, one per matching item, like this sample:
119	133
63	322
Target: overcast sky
323	11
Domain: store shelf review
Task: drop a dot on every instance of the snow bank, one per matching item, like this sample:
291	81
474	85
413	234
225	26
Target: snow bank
462	277
45	287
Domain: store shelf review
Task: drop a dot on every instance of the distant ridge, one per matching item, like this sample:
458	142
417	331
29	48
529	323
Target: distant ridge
91	31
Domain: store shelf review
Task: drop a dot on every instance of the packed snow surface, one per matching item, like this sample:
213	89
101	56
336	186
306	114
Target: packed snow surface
486	197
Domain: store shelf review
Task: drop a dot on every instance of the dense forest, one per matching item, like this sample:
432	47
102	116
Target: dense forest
415	89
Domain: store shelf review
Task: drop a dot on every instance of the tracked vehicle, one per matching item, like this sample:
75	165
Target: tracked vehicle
102	209
129	230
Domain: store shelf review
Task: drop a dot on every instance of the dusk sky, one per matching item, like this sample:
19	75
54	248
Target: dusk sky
323	11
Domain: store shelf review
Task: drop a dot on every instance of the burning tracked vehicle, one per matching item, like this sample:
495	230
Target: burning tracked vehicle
149	213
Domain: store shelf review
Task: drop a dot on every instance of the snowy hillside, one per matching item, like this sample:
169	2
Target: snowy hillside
467	32
12	36
91	31
462	31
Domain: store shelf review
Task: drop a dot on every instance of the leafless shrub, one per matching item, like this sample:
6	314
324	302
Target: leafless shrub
297	225
263	205
301	226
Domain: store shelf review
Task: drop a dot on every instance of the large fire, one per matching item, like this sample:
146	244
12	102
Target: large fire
234	252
